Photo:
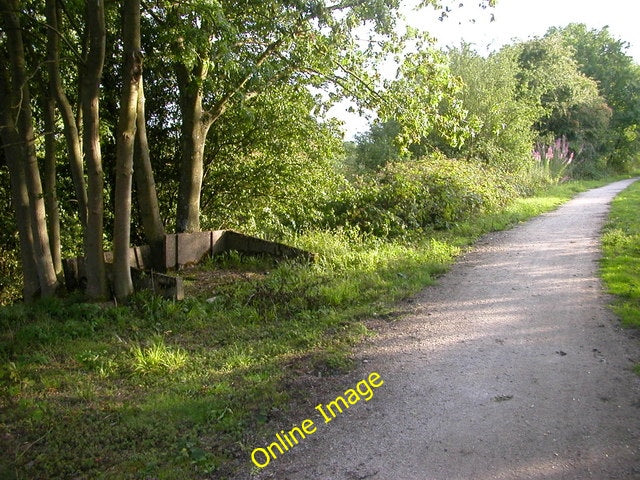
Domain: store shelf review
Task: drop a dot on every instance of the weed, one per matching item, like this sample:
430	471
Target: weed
202	460
554	159
12	373
157	358
99	362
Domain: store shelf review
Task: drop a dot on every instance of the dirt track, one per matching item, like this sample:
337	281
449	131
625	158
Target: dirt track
512	367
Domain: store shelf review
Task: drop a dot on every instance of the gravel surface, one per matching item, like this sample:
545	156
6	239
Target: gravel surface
512	367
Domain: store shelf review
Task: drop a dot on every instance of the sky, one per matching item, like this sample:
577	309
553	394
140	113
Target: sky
515	19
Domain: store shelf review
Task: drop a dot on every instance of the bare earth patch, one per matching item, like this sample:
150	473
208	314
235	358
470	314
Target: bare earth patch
200	281
512	367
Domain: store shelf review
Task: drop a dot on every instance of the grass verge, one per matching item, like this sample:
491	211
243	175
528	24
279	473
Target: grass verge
173	390
621	256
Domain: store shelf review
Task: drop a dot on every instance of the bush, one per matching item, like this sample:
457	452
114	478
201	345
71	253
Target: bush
433	192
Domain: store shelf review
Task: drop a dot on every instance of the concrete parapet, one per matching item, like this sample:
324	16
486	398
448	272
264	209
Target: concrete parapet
178	251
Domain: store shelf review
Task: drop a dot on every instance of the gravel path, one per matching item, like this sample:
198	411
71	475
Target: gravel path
512	367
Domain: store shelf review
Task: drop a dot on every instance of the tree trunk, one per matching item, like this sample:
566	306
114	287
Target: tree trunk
20	200
71	134
196	123
19	194
145	184
90	94
50	196
195	126
125	140
20	110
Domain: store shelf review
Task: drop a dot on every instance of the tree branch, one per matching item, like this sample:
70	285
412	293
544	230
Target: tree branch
218	109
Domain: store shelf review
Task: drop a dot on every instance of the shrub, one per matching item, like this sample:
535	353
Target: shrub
433	192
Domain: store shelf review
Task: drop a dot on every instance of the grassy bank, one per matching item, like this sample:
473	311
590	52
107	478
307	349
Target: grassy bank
173	390
621	256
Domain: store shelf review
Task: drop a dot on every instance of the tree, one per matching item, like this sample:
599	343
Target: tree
603	58
144	179
19	194
271	165
71	134
569	101
90	101
377	147
125	141
549	74
49	182
419	110
234	69
502	119
225	55
19	142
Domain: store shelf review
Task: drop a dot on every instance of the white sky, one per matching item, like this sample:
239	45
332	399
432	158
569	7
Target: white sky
526	18
517	19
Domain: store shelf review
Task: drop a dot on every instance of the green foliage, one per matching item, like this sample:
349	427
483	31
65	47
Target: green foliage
604	59
423	99
412	196
270	166
157	358
570	103
377	147
621	260
550	75
236	51
421	102
502	119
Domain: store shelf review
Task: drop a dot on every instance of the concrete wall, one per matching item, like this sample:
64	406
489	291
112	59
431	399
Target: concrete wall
178	251
184	249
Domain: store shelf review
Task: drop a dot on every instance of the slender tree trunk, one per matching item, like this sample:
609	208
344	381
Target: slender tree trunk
20	110
49	180
19	194
125	141
20	200
145	184
195	126
90	92
71	134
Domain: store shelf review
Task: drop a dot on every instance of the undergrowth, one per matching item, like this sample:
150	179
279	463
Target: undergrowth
173	390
